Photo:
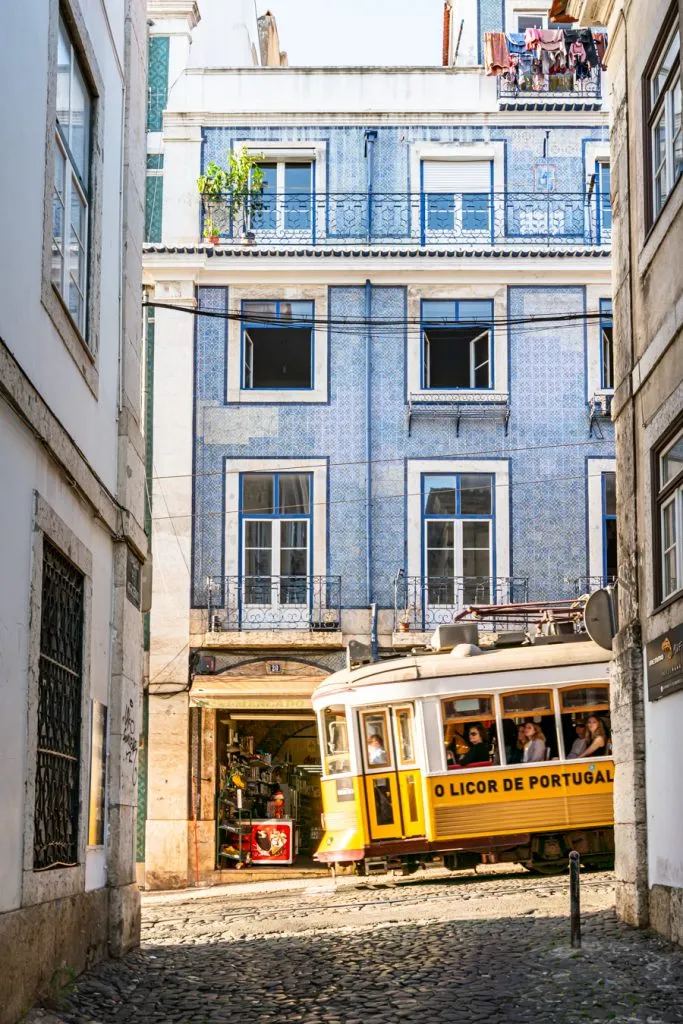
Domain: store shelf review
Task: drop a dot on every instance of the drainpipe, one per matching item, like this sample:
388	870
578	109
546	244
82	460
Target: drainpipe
370	140
368	438
373	630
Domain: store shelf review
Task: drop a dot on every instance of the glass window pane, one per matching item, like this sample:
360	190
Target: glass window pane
436	310
474	311
335	742
294	534
258	562
660	76
439	495
63	79
404	726
672	461
676	133
475	535
378	750
441	564
258	533
585	697
610	484
536	703
476	564
79	123
298	177
293	562
476	490
440	534
269	177
300	311
384	811
294	493
259	310
463	708
257	493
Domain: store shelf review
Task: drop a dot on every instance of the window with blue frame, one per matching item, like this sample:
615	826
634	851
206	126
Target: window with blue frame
457	196
606	345
602	173
286	201
457	344
277	345
609	527
275	512
458	538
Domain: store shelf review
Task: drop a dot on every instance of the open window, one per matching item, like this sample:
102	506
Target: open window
457	340
529	708
469	731
278	343
606	345
335	741
578	704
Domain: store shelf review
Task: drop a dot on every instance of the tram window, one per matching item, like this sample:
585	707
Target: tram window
376	736
522	708
384	811
468	730
579	704
335	741
404	730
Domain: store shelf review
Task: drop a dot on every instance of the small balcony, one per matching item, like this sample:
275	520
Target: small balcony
510	221
588	584
310	604
562	90
421	604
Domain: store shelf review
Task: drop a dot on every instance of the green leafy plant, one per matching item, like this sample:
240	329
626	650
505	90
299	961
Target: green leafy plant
237	188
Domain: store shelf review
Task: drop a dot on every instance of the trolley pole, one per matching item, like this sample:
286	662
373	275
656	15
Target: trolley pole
574	900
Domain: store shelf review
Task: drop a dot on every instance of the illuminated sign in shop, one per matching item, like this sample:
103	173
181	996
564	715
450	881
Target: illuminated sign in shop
664	659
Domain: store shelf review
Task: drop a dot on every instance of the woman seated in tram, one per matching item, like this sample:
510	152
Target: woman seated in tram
535	746
515	752
596	737
478	746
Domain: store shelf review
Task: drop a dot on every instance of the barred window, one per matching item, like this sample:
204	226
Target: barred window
60	684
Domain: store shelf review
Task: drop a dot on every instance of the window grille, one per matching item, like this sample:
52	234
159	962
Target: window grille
57	795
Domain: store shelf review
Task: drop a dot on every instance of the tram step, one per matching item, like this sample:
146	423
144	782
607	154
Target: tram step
376	866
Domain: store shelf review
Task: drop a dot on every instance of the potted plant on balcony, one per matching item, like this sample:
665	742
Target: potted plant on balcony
237	187
211	232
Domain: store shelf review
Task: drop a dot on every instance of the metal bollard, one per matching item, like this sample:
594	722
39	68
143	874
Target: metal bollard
575	899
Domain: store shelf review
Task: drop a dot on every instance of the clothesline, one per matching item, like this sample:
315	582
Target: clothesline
539	53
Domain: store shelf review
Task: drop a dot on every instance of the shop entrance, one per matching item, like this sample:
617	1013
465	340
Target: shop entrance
393	783
268	801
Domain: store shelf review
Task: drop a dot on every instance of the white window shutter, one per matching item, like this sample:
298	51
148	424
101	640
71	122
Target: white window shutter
445	176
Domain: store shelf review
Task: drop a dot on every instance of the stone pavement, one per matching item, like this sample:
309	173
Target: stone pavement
436	948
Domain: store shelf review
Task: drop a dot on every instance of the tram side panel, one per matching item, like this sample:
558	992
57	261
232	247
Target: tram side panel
346	834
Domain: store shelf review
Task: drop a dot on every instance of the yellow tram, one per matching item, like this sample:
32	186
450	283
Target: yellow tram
399	788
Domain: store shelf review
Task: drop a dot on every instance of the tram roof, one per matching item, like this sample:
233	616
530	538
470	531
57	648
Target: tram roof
438	666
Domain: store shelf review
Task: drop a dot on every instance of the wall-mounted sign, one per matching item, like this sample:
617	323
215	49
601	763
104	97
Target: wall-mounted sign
133	579
664	659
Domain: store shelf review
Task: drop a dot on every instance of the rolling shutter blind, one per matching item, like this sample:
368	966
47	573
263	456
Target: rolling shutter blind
456	175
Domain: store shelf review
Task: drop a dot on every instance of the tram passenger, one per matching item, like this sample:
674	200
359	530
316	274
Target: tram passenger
377	755
514	749
596	737
479	748
580	743
534	747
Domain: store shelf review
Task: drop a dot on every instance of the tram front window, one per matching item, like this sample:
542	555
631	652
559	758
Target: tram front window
585	720
469	731
529	726
335	741
375	731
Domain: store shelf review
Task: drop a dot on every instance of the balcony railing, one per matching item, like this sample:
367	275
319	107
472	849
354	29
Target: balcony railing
513	220
422	604
564	86
587	584
311	603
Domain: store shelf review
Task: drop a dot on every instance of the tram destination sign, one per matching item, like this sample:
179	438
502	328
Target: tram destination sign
665	664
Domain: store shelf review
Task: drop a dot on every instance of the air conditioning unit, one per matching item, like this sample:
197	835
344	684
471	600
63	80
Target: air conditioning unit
602	405
445	638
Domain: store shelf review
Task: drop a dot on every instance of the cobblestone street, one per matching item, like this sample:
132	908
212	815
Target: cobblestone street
492	947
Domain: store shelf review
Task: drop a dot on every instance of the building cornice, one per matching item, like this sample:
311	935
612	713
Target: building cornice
549	119
174	9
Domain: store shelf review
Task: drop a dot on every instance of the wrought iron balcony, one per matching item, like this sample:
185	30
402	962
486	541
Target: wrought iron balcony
510	220
528	88
587	584
311	603
422	603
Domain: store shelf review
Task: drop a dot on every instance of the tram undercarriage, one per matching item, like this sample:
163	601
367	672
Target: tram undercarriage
543	853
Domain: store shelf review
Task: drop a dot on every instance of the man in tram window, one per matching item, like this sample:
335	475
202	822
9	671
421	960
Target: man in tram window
580	743
377	755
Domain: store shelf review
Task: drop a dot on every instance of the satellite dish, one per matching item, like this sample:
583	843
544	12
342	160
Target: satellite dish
600	618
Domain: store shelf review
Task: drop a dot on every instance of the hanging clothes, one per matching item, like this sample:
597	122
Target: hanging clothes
532	38
585	37
515	43
577	54
600	40
496	54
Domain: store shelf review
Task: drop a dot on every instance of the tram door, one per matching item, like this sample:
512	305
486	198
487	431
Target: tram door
393	784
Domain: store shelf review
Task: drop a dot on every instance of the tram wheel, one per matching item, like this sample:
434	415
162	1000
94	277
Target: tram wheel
548	867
